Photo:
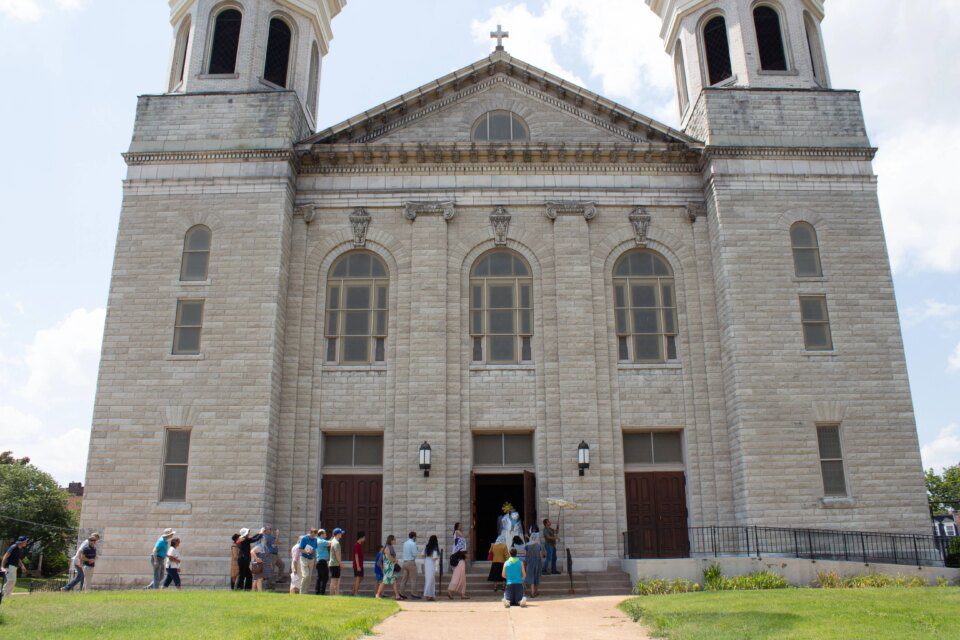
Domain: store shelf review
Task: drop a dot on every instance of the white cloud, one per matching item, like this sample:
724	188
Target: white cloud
62	454
931	310
33	10
61	362
944	451
953	362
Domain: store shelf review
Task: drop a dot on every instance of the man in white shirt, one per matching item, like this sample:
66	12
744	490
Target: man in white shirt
408	560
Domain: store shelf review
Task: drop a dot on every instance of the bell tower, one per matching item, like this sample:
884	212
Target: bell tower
251	45
763	44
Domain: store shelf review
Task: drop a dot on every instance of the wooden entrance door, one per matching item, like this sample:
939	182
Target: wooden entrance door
657	515
529	500
354	503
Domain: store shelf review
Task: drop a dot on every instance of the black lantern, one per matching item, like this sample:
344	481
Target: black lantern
583	457
425	452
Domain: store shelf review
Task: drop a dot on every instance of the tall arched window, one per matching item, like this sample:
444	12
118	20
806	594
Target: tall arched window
501	308
195	264
179	67
773	56
226	42
815	46
357	297
806	250
500	126
313	82
277	64
716	49
683	97
645	304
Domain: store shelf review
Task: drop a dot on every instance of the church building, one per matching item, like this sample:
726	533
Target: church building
498	286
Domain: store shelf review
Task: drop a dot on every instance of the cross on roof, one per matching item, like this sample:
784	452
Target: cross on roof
499	34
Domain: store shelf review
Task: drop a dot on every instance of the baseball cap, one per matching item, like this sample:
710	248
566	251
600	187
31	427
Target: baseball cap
338	532
22	539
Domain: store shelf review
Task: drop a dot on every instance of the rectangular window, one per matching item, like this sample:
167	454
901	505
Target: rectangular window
503	450
816	323
352	451
653	447
831	460
189	324
175	459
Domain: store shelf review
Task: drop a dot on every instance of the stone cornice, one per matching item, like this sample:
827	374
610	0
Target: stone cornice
197	157
805	153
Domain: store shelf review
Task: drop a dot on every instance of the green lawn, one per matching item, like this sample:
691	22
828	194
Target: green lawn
900	614
145	615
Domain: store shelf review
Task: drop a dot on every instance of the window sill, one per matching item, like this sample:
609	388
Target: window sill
837	502
218	76
184	357
809	279
173	508
820	354
331	366
479	366
788	72
192	283
644	366
271	85
729	82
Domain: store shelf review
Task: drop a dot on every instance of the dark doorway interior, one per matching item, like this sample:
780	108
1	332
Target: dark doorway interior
492	492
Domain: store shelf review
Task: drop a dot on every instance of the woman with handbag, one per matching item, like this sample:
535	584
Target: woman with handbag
389	561
458	562
258	559
499	554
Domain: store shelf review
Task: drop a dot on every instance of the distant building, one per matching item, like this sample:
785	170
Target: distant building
946	525
75	497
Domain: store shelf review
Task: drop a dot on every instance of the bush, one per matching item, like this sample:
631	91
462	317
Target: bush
55	565
943	582
832	580
714	580
658	587
953	552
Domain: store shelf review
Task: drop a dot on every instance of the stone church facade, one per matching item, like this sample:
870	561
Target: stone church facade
503	266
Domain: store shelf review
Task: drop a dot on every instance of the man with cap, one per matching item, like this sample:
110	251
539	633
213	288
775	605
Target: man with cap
336	562
83	563
12	559
158	557
323	562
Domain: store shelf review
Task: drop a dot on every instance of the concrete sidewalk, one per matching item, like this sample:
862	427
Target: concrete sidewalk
596	618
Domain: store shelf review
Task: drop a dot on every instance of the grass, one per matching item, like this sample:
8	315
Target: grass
206	615
901	614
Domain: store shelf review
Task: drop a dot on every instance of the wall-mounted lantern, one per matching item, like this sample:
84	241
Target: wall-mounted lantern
425	453
583	457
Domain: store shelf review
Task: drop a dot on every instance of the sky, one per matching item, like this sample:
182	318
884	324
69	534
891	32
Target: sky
72	70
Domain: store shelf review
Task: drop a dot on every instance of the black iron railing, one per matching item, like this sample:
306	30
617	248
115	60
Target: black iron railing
812	544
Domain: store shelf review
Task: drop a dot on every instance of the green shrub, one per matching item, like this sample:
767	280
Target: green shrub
713	579
829	580
832	580
659	587
55	565
953	552
943	582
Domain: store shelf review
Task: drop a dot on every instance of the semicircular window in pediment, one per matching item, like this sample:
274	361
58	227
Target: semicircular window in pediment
500	126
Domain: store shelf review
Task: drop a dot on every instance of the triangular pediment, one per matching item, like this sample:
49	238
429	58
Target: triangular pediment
557	112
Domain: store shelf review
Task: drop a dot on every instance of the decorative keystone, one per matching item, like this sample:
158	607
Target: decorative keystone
360	223
640	220
500	221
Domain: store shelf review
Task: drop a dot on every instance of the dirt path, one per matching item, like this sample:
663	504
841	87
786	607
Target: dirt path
581	618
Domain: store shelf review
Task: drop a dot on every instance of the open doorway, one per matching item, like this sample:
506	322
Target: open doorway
490	493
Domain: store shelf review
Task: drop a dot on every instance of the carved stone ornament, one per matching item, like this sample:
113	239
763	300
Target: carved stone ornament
500	221
586	209
360	223
696	210
640	220
447	209
307	211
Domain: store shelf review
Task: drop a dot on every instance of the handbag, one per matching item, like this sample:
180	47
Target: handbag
256	568
490	556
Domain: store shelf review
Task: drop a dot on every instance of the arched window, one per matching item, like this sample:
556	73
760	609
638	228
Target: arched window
501	308
716	48
815	46
277	64
357	297
645	304
313	82
773	56
226	42
683	97
806	250
179	68
195	265
500	126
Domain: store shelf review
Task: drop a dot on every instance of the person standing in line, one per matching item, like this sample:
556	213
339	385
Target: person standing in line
308	559
234	567
499	553
408	579
533	567
514	573
12	559
83	563
458	560
378	570
245	542
431	560
269	553
358	562
389	560
258	564
158	557
336	561
323	562
173	565
295	579
550	539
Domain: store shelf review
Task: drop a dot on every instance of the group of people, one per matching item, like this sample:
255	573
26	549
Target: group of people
521	562
165	560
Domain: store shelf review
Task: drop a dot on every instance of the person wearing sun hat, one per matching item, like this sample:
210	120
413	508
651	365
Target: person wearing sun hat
158	557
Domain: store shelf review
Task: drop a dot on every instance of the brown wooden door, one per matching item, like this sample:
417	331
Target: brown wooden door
529	500
657	515
354	504
473	515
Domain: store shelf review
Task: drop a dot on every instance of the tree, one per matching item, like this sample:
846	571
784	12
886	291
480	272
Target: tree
944	489
33	505
7	458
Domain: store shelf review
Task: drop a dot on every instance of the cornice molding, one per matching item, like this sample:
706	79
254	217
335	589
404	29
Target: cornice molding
196	157
857	153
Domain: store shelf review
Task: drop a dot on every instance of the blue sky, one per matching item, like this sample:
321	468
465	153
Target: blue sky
72	70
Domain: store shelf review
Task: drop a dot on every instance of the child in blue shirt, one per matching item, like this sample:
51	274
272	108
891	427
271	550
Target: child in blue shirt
378	565
514	572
